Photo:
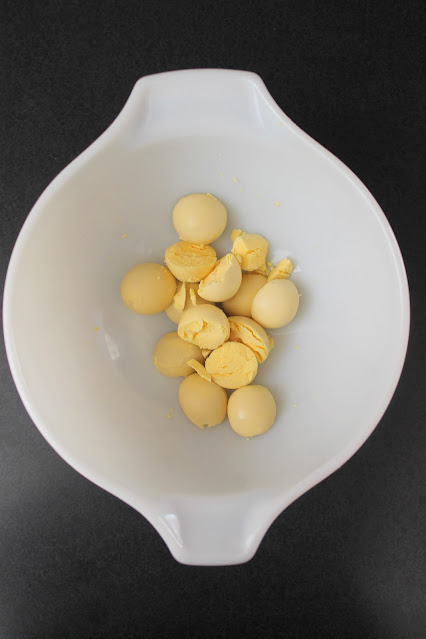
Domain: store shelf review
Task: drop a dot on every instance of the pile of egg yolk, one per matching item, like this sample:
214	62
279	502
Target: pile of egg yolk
215	349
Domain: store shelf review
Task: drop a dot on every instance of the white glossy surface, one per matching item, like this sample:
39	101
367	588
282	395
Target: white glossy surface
96	396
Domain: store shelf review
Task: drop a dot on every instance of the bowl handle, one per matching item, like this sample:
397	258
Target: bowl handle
212	531
196	101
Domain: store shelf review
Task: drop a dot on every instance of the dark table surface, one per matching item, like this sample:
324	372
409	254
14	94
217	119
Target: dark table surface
348	558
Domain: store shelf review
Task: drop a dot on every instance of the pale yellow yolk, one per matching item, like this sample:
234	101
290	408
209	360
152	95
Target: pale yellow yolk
223	281
250	333
232	365
190	262
186	297
148	288
240	303
199	368
171	355
180	297
199	218
204	325
250	250
236	233
203	402
276	304
283	269
251	410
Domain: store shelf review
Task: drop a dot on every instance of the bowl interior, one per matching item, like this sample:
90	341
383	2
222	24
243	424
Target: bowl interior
86	360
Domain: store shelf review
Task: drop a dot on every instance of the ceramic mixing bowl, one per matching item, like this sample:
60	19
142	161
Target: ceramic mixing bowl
82	362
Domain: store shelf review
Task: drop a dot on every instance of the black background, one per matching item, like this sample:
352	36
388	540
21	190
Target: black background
348	558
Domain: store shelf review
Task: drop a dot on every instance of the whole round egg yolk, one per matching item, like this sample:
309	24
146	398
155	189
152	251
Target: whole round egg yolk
148	288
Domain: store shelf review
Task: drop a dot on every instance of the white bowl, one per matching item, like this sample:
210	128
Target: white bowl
82	362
